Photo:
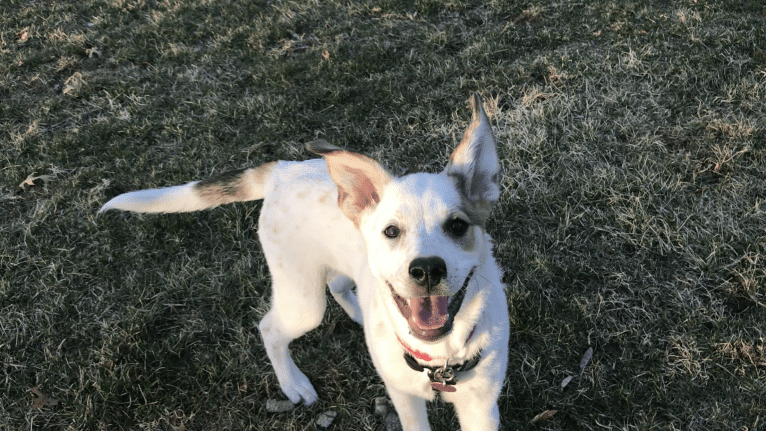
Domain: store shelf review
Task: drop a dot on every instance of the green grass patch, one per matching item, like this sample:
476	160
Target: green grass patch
633	140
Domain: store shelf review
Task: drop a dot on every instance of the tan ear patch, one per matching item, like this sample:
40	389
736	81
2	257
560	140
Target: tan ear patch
360	181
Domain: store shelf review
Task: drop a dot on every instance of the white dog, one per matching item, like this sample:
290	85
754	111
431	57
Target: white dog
428	291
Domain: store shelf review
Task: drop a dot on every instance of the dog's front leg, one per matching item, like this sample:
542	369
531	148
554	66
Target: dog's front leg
476	411
411	410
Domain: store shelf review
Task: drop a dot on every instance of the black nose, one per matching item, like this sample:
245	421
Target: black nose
428	271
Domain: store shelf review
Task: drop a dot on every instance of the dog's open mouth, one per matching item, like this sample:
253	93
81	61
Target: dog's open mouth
431	317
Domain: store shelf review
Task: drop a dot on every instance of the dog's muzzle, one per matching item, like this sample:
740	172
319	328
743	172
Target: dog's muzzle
430	317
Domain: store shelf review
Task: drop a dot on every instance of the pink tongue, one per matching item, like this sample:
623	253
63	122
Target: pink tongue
429	312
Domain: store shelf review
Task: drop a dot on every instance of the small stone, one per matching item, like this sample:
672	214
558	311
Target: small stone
276	406
325	419
381	407
392	422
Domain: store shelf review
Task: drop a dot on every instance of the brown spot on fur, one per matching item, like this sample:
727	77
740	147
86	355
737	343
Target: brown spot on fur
239	185
468	242
380	329
323	199
477	212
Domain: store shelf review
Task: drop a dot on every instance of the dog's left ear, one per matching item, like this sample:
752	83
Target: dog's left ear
360	179
474	165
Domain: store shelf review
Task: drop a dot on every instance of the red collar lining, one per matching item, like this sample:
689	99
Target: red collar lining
425	356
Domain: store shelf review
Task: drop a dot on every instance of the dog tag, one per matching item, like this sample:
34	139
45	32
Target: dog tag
438	386
443	379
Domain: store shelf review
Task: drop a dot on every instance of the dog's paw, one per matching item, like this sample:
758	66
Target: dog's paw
298	388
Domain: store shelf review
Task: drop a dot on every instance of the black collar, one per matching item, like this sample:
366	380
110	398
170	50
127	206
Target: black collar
444	375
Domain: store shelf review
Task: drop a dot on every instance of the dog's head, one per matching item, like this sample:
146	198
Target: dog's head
424	233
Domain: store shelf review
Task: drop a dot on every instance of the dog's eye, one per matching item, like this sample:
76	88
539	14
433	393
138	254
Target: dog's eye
457	227
392	232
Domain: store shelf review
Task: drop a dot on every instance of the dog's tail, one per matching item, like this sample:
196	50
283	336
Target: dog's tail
234	186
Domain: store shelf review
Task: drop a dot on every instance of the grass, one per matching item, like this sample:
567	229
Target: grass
633	139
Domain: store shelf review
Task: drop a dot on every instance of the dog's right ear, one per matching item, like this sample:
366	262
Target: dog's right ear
360	179
475	167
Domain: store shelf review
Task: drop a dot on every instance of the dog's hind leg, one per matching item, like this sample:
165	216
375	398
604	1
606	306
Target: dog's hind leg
341	289
298	305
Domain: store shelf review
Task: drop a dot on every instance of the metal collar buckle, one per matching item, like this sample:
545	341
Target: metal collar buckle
444	375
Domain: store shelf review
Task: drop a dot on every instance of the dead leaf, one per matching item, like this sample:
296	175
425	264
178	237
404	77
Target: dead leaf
74	84
93	52
41	400
30	180
566	381
586	358
542	417
23	35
